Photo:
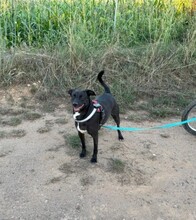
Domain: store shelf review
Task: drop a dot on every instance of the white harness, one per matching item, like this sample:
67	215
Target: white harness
83	120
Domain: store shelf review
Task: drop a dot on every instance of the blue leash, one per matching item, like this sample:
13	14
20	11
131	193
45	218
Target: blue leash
175	124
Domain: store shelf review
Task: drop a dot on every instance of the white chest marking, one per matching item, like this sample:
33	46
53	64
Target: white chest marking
75	115
81	131
78	124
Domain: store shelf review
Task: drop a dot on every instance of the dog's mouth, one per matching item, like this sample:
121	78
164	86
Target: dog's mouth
77	109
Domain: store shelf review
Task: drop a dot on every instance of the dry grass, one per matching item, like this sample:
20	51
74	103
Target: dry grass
132	74
13	134
143	58
11	121
31	116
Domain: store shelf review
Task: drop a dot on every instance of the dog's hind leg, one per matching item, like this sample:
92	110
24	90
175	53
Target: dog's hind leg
82	138
116	118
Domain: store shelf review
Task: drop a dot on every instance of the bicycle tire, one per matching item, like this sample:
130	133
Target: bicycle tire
185	116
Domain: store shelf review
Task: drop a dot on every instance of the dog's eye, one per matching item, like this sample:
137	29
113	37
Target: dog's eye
74	95
80	96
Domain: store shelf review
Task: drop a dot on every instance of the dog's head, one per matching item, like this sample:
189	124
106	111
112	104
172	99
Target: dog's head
80	98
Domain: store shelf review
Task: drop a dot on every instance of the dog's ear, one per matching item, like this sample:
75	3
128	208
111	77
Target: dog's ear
90	92
70	91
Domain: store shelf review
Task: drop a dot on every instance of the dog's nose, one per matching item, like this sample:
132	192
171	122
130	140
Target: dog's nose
75	104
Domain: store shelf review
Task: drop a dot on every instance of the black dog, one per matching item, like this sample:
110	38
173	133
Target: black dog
90	114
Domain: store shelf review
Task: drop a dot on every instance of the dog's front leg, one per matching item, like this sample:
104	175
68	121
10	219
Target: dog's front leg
82	138
95	151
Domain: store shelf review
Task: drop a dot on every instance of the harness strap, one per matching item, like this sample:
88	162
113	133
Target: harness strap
100	110
87	118
97	108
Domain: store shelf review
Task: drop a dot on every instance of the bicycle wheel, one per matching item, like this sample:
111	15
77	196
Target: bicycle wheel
188	113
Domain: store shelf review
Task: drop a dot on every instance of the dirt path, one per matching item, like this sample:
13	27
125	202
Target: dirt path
151	175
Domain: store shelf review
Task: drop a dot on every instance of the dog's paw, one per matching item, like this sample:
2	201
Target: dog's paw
93	160
120	138
83	154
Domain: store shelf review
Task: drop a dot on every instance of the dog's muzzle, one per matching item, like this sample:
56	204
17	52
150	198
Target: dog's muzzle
77	109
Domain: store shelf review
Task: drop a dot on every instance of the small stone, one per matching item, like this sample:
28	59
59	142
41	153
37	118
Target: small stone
164	135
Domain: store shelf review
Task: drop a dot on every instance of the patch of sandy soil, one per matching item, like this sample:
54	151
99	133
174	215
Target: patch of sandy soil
42	176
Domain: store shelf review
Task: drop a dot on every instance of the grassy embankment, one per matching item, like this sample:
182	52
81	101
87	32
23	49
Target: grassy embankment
148	49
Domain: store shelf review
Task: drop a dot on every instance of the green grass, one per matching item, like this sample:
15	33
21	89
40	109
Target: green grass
31	116
13	134
2	134
17	133
116	165
91	22
73	141
11	111
12	121
165	106
61	121
43	130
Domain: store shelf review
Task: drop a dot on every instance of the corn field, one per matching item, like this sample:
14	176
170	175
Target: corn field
94	23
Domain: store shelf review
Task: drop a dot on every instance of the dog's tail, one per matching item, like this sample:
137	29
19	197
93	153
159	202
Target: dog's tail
99	77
